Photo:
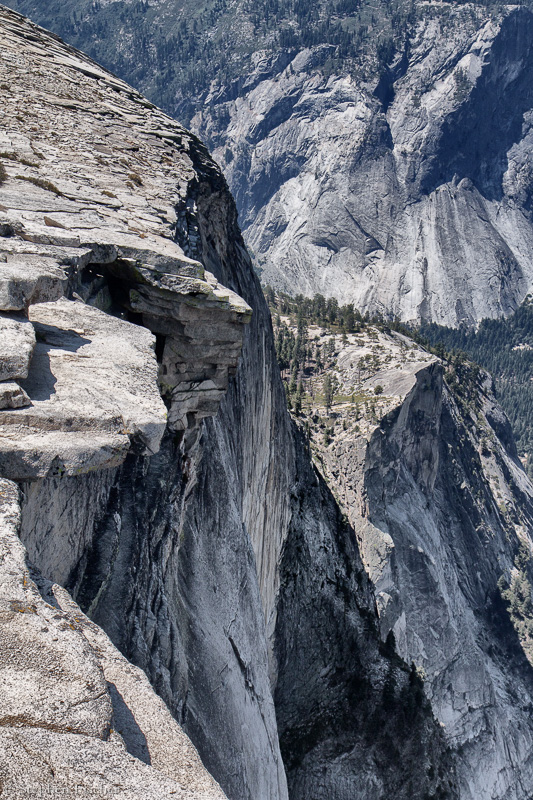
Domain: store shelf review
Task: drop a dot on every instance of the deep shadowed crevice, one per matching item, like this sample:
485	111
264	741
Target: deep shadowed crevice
159	346
126	724
384	91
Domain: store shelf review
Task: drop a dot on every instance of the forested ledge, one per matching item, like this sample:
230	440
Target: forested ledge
503	347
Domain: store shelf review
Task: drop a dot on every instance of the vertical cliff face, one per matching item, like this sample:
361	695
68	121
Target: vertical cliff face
455	506
76	716
346	705
409	195
117	317
162	480
442	508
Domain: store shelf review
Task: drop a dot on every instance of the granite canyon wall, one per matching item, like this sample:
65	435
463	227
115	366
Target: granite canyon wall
163	484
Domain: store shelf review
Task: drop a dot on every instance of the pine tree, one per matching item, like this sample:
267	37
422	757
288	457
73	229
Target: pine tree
328	390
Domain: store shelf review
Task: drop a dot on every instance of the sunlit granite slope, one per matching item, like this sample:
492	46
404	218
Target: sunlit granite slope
427	472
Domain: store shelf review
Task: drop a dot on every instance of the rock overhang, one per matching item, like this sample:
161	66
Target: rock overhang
105	311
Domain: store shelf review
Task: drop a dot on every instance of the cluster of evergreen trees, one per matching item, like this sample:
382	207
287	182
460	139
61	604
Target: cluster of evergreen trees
298	357
504	347
302	357
517	596
316	310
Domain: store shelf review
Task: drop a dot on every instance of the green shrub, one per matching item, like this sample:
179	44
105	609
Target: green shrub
41	182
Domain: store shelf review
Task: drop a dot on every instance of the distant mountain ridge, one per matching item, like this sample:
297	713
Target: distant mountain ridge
176	53
415	204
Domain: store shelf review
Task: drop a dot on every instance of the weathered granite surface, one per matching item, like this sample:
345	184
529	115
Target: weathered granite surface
16	348
77	220
77	718
12	395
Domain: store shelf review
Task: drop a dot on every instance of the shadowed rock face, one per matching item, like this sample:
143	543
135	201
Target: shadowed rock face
72	706
93	270
163	484
436	506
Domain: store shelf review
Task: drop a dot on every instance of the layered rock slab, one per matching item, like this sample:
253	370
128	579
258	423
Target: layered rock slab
91	375
104	236
13	396
16	348
23	283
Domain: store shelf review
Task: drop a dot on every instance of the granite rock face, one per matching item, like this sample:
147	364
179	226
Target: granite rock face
441	506
410	195
164	489
401	185
76	284
17	345
456	505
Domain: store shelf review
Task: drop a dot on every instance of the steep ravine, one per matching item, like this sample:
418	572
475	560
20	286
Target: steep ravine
164	485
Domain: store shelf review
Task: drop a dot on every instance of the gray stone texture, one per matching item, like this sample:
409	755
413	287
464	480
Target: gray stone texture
212	554
440	505
76	717
17	342
12	395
